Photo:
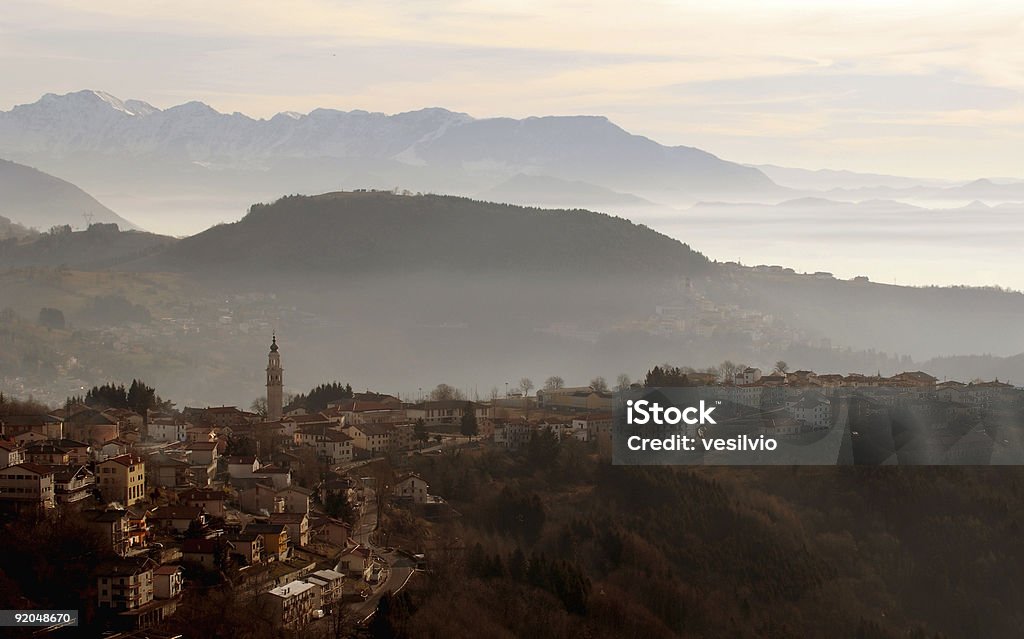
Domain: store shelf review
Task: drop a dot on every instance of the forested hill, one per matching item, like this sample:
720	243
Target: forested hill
379	232
99	247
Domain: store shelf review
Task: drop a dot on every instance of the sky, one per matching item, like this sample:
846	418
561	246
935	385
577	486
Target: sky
929	89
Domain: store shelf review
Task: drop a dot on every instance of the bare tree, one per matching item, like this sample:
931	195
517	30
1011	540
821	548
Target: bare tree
728	370
444	392
526	385
623	382
554	382
259	406
781	367
599	384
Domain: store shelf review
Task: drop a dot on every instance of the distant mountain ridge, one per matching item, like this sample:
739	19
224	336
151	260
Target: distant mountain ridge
38	200
429	149
544	191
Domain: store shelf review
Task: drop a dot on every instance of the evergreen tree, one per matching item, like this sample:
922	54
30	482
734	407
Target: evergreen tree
468	425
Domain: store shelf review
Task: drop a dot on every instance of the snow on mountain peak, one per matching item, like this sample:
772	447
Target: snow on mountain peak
114	103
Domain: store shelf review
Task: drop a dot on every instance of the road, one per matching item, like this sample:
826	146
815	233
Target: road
398	570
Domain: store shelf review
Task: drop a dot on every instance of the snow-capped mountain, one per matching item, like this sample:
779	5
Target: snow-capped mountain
181	169
93	122
90	124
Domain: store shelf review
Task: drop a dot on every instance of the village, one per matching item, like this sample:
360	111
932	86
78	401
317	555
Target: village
286	502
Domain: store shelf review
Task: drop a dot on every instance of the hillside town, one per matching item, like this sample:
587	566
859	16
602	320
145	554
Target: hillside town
285	503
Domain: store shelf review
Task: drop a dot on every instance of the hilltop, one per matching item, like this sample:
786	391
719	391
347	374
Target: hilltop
377	232
99	247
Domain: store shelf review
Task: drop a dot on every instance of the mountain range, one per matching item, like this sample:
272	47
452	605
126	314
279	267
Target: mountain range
182	169
115	147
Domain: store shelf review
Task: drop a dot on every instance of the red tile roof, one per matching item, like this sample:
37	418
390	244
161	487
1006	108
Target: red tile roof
35	468
124	460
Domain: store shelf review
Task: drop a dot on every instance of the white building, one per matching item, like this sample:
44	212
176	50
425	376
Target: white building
293	603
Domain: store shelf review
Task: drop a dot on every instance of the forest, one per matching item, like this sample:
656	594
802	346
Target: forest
564	545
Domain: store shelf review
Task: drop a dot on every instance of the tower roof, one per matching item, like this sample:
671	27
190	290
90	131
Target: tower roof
273	344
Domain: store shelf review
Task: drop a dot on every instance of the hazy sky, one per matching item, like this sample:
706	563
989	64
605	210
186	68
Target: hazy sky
914	88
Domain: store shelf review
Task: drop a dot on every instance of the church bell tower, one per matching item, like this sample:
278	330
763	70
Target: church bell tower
275	383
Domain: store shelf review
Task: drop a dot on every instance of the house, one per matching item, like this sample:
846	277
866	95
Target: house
412	487
30	437
218	416
138	527
355	560
200	433
261	498
447	412
26	486
248	547
243	467
359	411
91	426
582	398
275	539
177	519
335	485
126	418
203	452
375	438
329	530
292	604
297	524
112	526
812	410
167	471
203	458
48	454
296	499
293	422
913	379
332	446
285	459
512	433
112	448
48	426
592	424
329	583
122	479
279	477
747	376
126	584
73	484
168	581
212	501
11	453
801	378
78	452
210	553
168	429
